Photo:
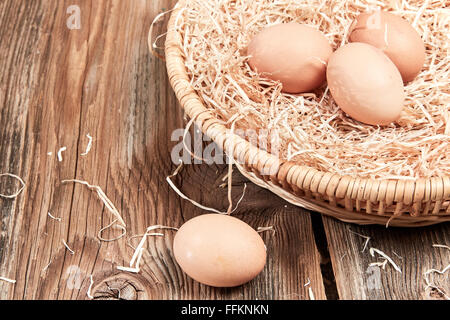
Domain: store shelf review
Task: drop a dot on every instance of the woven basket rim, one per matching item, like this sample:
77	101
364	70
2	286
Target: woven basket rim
290	175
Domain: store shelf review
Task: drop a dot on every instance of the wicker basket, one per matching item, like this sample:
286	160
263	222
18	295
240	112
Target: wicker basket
405	203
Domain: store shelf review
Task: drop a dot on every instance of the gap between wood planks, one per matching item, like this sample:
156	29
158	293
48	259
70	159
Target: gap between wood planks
326	266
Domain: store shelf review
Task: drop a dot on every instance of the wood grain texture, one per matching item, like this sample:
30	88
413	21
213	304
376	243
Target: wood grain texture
411	249
57	85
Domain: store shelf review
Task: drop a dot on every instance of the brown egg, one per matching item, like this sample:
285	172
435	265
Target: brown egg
365	84
292	53
219	250
395	36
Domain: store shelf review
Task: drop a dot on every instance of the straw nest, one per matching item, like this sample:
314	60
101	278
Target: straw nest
310	129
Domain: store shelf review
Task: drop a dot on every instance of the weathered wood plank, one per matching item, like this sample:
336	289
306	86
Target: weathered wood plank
293	259
60	84
411	249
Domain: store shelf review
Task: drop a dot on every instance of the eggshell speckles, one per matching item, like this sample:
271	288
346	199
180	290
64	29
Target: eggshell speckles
292	53
395	36
219	250
365	84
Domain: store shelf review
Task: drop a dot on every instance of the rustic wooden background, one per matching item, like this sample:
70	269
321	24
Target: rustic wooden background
59	84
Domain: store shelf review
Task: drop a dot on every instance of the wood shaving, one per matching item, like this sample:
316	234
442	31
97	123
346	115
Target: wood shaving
46	267
144	239
7	280
307	283
60	151
89	146
228	176
153	43
386	257
139	250
195	203
264	229
186	147
313	131
124	232
128	269
68	248
311	294
16	194
441	246
362	236
109	205
157	234
138	258
230	171
430	283
379	264
54	218
420	12
229	185
88	293
389	220
240	199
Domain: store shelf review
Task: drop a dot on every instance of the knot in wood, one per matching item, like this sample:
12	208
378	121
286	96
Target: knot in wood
120	287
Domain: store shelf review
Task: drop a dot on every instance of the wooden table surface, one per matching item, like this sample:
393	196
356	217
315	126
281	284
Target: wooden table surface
59	84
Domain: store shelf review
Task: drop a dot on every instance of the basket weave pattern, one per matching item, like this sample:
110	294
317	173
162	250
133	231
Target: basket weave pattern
364	201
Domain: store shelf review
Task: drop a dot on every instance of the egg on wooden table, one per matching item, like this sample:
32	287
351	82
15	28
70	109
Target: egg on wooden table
395	36
219	250
365	84
292	53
